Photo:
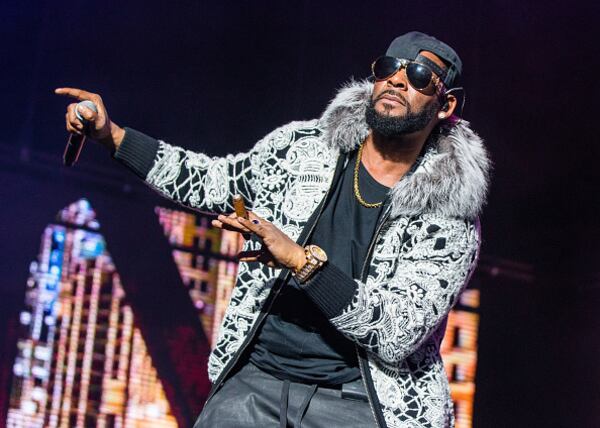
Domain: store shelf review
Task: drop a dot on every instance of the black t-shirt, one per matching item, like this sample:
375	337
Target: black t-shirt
297	342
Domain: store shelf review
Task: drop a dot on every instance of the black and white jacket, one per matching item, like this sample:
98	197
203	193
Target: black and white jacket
424	250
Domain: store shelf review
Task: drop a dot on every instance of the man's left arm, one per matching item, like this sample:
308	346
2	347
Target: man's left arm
390	319
394	319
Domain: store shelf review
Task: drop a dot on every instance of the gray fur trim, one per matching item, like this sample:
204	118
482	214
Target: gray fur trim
450	179
344	118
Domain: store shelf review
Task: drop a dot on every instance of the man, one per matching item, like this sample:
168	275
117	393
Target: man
363	231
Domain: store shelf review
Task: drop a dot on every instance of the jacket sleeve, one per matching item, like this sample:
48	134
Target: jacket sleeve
392	320
192	179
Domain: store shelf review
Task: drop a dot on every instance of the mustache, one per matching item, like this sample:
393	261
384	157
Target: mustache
393	93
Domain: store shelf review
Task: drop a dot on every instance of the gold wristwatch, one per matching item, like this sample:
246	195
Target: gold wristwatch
315	258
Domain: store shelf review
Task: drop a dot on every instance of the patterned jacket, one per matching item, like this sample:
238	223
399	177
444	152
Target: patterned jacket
423	252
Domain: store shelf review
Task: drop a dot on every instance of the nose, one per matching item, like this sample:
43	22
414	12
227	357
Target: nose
398	79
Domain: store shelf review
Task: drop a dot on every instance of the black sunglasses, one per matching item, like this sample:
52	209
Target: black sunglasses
419	75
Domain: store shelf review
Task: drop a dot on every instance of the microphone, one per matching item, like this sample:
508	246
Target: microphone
75	142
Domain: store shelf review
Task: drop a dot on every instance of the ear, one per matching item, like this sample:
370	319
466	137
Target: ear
448	107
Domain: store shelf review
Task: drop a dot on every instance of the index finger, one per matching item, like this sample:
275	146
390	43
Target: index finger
255	224
79	94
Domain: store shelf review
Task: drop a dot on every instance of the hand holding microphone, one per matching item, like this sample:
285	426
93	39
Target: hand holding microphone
76	140
88	118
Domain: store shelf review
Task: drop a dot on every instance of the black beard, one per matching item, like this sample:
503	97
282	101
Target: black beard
398	126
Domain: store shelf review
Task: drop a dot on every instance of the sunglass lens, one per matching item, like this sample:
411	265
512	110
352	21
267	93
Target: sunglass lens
418	75
385	66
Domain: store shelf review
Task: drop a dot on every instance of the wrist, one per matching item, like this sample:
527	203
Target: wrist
115	138
300	259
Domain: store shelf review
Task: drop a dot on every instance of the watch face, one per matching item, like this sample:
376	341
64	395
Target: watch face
318	253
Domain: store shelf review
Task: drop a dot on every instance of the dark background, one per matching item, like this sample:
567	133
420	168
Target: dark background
217	76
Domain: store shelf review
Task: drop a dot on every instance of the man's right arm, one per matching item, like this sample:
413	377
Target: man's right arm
192	179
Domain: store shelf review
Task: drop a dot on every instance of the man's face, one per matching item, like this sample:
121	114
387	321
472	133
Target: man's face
397	108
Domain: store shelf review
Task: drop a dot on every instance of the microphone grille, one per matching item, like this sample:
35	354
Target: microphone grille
88	104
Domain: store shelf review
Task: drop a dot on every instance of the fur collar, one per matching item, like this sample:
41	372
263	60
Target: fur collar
450	179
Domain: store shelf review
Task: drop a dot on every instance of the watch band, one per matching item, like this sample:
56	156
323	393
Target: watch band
315	258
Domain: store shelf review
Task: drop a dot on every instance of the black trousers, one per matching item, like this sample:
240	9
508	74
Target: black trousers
253	398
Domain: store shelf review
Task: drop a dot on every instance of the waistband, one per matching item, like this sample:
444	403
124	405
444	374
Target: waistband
353	390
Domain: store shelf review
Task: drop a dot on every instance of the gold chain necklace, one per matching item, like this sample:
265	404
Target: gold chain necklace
356	189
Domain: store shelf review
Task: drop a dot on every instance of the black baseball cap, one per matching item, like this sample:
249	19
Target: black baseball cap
410	44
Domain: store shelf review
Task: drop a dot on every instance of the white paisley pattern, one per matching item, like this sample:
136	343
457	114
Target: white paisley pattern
421	261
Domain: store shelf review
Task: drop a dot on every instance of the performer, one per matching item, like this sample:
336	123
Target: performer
364	230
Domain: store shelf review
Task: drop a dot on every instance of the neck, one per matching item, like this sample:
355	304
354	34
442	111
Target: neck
387	159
